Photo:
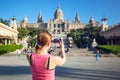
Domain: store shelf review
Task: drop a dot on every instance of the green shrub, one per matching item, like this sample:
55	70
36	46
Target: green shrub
115	49
9	48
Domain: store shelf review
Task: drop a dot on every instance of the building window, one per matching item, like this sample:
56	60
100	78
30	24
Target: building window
63	30
58	25
63	26
58	31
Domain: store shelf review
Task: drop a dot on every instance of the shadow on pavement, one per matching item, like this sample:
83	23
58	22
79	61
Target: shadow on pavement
86	74
14	70
65	72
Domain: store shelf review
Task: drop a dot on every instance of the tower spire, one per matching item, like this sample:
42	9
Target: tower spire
13	23
39	18
39	14
59	6
104	24
77	18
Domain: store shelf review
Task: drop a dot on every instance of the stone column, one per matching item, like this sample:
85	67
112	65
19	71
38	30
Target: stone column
60	29
5	41
55	28
52	27
9	42
65	28
108	42
111	42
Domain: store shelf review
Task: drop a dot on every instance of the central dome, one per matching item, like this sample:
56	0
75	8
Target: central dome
58	13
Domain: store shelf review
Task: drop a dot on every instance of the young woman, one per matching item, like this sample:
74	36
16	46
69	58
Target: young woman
43	64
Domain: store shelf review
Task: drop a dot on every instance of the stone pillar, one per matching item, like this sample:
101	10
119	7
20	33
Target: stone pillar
111	42
55	28
60	29
52	27
65	27
108	42
5	41
9	42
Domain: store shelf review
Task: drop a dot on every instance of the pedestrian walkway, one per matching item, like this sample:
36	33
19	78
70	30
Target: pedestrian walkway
86	52
75	68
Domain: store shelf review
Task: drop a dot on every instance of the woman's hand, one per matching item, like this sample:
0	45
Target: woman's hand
60	60
61	43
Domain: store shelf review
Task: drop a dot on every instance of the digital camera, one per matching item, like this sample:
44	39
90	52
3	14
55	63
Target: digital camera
56	40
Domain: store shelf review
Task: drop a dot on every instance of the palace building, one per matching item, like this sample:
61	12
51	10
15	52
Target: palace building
58	26
25	23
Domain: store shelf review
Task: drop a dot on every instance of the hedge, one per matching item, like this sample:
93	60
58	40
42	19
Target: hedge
9	48
115	49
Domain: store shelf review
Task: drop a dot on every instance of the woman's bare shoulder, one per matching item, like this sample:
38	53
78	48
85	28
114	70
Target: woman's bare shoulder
57	60
55	57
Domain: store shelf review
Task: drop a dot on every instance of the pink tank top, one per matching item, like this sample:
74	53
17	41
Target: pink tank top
39	72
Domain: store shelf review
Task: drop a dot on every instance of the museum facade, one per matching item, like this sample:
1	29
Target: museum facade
58	26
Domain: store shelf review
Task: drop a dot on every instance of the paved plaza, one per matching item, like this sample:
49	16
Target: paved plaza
76	68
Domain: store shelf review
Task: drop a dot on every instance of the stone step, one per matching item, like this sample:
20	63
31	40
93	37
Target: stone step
80	50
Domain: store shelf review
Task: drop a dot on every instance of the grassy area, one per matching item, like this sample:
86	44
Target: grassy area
115	49
9	48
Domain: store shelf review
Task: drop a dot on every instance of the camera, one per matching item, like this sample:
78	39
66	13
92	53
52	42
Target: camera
56	40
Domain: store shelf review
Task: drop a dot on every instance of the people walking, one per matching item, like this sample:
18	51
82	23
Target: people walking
97	55
19	53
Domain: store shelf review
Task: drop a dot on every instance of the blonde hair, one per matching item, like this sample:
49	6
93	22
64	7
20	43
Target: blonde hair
43	38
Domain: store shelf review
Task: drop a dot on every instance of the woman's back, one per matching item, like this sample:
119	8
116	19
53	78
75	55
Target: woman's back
43	64
39	71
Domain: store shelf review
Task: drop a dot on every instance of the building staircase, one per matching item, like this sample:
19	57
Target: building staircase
80	52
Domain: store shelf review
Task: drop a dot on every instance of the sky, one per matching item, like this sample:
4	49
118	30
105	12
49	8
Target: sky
85	8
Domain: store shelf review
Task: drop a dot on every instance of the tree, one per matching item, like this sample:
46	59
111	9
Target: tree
22	32
33	31
6	22
76	35
86	35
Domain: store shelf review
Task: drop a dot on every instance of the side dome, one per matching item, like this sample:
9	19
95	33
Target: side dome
91	20
25	19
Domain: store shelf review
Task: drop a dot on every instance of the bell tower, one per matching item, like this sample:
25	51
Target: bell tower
104	24
39	18
13	23
77	18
